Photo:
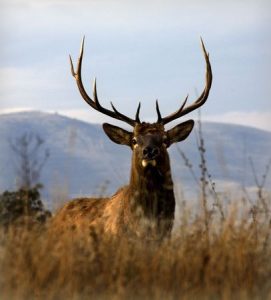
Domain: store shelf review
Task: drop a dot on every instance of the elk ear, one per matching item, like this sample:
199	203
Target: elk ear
117	135
180	132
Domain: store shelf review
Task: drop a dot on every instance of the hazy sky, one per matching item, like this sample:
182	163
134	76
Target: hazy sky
139	51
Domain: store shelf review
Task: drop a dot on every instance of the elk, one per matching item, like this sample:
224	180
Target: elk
145	207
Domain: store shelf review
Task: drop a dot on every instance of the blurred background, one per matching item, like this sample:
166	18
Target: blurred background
138	51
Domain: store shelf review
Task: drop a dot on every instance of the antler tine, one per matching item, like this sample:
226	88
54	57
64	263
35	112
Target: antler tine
162	120
72	68
137	120
95	103
202	98
159	117
122	117
95	96
137	113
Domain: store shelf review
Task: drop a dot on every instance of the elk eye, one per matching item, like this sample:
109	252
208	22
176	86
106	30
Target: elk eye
134	142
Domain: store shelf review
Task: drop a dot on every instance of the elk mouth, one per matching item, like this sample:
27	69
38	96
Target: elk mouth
148	162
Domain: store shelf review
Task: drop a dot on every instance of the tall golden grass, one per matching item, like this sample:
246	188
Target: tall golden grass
228	259
221	250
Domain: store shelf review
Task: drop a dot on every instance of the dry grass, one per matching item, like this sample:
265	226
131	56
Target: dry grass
229	261
220	251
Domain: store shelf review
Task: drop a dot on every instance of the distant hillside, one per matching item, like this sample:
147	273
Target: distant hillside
82	158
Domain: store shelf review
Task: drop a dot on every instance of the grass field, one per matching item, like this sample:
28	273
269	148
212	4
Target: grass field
208	257
220	249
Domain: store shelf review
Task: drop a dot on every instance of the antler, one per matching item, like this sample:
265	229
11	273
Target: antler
95	103
196	104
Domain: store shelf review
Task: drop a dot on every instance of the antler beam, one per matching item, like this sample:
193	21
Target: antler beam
196	104
95	103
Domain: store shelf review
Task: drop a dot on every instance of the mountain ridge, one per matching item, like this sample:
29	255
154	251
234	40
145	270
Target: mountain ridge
36	112
84	161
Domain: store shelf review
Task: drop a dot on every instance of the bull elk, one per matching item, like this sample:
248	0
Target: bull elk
145	207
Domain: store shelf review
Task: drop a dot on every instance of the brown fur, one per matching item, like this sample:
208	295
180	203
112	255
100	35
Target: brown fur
146	206
143	208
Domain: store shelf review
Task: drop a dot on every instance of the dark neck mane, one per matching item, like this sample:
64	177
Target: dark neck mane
153	193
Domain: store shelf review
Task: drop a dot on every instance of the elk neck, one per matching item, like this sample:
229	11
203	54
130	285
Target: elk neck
152	190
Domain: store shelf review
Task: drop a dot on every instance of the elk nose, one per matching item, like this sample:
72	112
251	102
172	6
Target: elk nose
150	152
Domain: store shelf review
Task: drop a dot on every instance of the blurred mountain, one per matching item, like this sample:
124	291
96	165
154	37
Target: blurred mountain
83	161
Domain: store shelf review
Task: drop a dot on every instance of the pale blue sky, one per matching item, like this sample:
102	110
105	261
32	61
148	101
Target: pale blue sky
139	51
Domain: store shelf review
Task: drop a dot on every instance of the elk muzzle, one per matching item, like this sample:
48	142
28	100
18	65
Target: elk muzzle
150	153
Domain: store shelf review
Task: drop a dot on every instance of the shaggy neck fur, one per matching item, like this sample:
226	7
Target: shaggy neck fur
151	194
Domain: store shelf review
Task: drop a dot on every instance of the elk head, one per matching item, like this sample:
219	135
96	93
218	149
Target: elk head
149	142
